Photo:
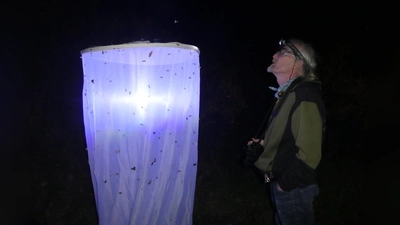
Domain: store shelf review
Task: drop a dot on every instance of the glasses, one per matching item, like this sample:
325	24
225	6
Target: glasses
282	51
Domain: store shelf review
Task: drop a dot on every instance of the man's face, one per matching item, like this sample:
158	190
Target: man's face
282	61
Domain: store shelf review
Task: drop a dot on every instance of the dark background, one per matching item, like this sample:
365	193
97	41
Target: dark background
42	73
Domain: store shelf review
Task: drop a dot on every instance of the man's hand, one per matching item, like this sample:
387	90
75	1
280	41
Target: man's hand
255	140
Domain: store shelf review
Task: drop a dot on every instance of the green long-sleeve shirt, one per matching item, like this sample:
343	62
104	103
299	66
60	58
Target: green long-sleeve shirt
293	139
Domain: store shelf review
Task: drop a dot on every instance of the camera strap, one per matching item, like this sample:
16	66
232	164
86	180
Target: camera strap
265	121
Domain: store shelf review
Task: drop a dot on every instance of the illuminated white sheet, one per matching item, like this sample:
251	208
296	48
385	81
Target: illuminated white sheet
141	116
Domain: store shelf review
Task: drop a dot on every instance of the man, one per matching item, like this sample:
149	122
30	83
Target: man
291	147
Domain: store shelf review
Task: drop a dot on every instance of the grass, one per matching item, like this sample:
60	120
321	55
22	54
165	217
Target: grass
226	193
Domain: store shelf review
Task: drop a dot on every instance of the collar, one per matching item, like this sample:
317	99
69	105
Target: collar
281	89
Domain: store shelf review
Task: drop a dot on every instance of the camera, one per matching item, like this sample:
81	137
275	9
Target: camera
252	153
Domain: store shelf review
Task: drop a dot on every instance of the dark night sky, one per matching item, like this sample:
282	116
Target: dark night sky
244	35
